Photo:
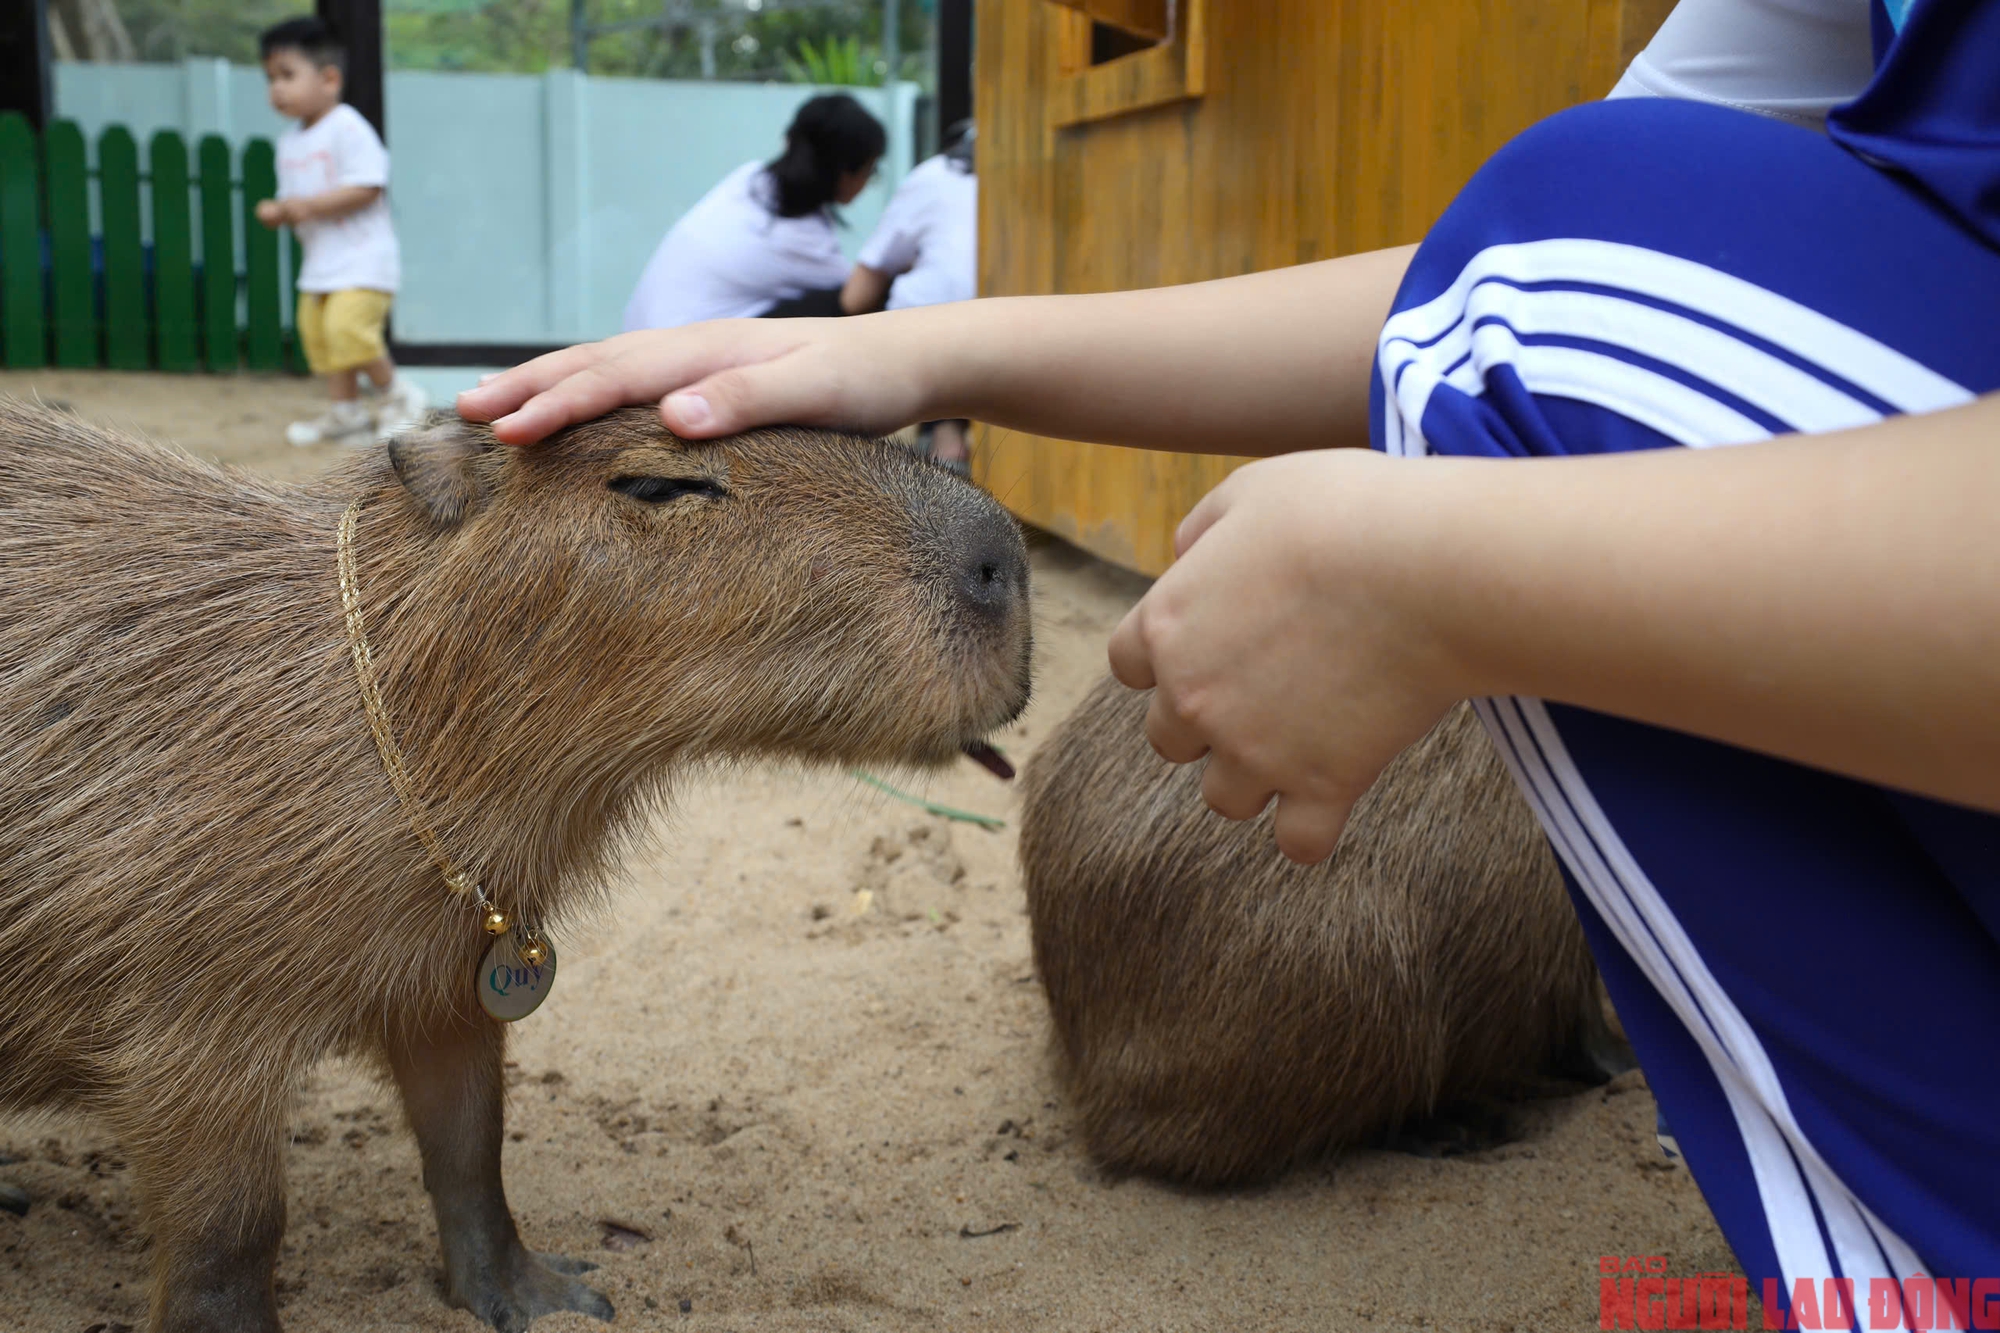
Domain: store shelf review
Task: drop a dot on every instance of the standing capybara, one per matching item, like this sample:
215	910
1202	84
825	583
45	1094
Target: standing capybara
207	879
1221	1013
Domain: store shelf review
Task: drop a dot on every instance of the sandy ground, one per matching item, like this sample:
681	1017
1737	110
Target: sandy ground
798	1081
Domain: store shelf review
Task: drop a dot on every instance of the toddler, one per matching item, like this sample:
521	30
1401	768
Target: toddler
332	173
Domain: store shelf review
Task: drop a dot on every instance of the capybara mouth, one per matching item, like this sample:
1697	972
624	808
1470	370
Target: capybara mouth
990	759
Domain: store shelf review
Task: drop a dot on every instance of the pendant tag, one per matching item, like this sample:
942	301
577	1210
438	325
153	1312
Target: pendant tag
509	988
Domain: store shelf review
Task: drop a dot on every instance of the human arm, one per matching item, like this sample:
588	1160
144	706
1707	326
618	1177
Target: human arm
335	203
1259	364
891	249
865	291
1833	600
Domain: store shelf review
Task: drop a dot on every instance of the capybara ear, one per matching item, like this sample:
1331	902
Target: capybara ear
437	460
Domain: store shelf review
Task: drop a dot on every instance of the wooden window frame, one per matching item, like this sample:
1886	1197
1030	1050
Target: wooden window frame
1174	70
1145	18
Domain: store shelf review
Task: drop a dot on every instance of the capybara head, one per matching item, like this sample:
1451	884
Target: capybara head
555	630
787	592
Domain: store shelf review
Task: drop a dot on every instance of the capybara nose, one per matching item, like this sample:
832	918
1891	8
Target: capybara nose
974	546
992	565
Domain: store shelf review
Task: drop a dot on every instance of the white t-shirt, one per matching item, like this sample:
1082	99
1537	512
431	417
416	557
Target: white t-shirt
359	250
928	238
1792	59
730	257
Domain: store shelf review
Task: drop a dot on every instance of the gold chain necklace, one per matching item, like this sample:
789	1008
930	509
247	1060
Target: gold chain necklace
512	979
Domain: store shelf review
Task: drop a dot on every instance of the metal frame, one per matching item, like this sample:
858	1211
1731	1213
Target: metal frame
359	23
954	62
27	84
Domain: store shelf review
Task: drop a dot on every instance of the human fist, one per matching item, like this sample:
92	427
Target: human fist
1288	642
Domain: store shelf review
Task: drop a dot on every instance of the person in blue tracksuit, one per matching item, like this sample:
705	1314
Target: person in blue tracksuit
1806	963
1687	430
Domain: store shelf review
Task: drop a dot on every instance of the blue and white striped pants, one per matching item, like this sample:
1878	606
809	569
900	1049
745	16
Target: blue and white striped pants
1808	966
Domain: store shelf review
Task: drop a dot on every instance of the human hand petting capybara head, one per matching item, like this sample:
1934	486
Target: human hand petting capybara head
195	816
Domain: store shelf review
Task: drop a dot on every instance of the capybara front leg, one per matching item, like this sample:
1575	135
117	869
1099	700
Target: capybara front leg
451	1079
215	1198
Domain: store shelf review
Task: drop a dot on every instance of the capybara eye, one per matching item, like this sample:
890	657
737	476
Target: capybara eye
659	490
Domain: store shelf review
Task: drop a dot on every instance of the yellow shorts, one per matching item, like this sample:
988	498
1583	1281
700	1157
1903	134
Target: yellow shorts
342	330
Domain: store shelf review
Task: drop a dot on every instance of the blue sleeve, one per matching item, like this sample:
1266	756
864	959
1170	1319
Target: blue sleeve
1932	112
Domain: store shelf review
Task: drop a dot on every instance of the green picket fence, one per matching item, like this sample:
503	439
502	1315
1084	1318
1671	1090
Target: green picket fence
71	296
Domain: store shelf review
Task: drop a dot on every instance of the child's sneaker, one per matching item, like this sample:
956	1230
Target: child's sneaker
341	423
403	405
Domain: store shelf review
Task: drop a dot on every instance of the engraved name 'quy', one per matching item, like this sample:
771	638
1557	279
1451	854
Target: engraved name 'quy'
504	978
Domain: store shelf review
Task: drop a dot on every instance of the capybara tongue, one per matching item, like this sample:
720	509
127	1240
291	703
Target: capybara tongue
990	759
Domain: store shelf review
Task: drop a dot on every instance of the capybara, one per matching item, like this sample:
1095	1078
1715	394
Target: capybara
207	879
1221	1013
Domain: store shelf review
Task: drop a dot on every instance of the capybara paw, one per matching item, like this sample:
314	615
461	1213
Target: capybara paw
535	1287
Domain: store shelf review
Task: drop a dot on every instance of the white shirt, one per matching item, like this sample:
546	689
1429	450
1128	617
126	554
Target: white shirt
730	257
358	250
928	238
1791	59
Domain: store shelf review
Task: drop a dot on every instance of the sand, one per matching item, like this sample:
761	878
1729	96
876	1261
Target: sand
798	1080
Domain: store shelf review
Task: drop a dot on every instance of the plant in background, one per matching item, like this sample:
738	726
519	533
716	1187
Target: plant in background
518	36
176	29
835	42
835	62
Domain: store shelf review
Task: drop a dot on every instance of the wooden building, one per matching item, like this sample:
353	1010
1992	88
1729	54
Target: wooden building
1135	143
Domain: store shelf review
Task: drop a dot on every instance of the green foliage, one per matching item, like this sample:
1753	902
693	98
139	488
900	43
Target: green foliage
836	62
172	29
840	38
502	36
533	35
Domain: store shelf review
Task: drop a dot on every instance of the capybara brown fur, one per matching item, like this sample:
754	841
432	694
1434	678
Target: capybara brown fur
207	882
1221	1013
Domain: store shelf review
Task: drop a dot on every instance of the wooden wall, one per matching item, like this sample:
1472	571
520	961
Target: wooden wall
1262	133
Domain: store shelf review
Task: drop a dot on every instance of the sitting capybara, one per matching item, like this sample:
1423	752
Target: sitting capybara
208	880
1221	1013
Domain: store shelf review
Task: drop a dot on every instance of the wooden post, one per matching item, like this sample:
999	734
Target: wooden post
27	84
358	23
